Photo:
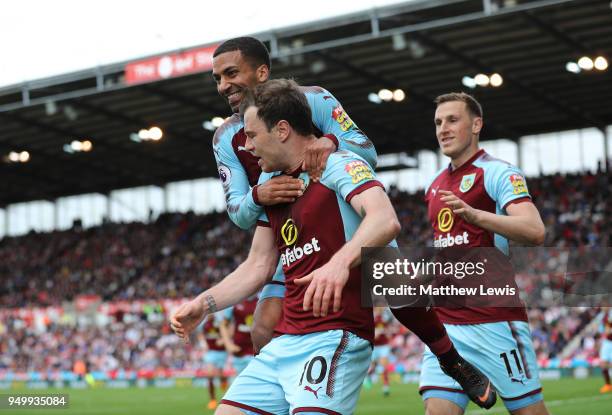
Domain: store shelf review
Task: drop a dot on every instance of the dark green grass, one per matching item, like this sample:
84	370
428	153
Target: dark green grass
563	397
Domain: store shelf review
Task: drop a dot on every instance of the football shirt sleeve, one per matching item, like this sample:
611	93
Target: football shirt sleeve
506	184
348	175
241	206
334	122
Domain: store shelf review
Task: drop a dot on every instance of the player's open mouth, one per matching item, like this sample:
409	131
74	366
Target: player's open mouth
446	140
234	97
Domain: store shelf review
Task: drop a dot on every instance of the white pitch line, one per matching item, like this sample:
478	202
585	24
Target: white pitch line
548	404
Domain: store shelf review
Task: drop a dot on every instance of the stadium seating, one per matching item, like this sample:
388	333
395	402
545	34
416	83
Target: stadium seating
133	273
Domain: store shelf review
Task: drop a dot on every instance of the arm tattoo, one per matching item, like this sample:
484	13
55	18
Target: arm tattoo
362	212
212	305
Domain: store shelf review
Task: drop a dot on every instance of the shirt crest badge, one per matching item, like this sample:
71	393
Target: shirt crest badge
467	182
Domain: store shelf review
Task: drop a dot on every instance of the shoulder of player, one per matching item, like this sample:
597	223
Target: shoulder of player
498	175
314	90
227	130
488	161
342	161
317	96
342	158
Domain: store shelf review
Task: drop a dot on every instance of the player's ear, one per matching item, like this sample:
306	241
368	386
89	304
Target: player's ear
476	125
262	73
283	129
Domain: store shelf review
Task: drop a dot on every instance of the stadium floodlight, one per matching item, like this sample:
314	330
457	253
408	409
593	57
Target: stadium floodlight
24	157
601	63
374	98
13	156
469	82
217	122
155	133
572	67
585	63
76	145
143	134
496	80
207	125
399	95
17	157
385	94
481	79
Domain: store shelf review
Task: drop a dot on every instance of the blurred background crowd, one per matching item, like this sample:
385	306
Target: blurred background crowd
96	300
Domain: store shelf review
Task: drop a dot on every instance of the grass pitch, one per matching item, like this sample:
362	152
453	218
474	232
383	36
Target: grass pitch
563	397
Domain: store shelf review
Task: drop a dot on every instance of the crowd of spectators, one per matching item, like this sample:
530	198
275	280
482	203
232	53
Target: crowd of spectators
179	255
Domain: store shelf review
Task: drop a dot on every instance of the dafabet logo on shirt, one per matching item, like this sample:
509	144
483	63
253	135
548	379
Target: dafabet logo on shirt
289	232
445	220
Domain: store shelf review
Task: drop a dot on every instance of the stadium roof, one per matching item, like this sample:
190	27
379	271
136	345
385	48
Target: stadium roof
422	47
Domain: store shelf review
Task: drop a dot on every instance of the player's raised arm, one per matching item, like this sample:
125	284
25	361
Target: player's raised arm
243	282
339	132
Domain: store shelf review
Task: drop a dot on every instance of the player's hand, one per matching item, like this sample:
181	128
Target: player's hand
316	157
459	207
186	318
280	189
325	285
232	348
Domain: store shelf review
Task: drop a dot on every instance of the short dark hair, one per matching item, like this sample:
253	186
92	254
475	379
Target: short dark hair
473	106
252	50
280	99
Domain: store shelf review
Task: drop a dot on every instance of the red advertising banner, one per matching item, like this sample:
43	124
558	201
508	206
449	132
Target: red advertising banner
169	66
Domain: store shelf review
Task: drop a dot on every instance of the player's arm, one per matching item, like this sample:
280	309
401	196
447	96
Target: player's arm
202	341
241	206
523	223
378	227
339	133
245	204
507	187
226	331
267	315
243	282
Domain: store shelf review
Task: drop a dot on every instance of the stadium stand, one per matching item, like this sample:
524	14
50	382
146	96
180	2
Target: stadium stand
96	300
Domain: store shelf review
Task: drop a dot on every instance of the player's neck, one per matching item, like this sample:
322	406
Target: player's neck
296	154
461	159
